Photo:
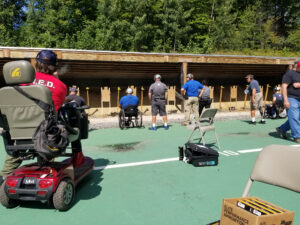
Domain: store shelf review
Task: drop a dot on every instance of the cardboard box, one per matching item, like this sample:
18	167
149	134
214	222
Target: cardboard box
234	215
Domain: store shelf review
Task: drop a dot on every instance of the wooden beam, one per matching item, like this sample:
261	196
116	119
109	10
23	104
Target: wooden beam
85	55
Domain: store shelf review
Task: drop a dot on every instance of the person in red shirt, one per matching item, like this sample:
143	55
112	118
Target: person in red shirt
46	74
46	65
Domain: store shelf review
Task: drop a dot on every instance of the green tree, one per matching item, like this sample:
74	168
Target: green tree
54	23
223	31
250	32
11	18
173	27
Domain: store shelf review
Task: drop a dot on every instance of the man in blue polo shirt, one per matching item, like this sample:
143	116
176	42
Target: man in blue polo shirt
191	89
128	99
256	99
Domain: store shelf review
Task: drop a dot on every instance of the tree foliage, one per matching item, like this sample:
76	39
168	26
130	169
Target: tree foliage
196	26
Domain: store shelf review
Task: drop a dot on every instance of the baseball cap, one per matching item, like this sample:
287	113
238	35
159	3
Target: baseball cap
190	76
157	76
277	88
249	76
129	91
47	57
73	89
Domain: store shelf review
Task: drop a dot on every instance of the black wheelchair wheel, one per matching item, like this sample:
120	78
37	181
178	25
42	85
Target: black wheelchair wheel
122	119
139	119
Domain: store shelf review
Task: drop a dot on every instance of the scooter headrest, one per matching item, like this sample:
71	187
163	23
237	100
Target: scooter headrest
18	72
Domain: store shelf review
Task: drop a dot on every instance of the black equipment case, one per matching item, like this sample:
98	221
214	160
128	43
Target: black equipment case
200	155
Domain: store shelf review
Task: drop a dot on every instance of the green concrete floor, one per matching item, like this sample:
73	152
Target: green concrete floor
164	193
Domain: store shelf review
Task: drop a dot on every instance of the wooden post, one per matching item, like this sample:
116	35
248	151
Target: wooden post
245	99
87	96
221	95
118	96
33	62
266	95
184	69
142	97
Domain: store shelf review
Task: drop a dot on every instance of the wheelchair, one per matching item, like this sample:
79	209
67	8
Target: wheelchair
275	112
130	117
21	112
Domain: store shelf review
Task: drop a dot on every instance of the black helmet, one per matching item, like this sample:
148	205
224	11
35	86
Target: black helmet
47	57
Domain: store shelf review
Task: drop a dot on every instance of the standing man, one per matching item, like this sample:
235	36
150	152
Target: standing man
256	99
191	89
291	99
158	93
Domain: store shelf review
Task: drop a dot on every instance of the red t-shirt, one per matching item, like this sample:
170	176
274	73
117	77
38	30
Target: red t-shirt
57	88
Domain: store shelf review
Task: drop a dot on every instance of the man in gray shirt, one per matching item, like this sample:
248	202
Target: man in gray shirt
158	94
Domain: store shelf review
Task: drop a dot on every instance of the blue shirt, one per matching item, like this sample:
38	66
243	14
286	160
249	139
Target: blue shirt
253	85
279	98
192	88
129	100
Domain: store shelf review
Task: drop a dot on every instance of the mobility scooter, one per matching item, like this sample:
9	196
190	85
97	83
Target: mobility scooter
20	115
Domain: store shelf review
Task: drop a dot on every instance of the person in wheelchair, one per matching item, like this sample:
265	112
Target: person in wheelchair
129	108
275	109
46	66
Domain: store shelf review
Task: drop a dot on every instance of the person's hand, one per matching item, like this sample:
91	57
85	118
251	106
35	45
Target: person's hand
286	104
296	85
253	101
55	74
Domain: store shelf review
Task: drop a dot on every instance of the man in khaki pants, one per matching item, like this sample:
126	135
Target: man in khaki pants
191	89
256	99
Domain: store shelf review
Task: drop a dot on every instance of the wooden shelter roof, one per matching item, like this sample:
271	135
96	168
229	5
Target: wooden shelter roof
87	64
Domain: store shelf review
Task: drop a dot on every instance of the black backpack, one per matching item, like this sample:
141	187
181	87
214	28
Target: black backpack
50	139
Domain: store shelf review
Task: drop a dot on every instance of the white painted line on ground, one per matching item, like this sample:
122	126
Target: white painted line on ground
250	150
226	153
136	163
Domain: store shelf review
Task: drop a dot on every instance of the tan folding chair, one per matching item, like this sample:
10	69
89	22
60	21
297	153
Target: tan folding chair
105	97
206	124
277	165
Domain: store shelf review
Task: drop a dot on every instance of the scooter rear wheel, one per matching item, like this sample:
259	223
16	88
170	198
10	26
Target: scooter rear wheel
64	195
5	200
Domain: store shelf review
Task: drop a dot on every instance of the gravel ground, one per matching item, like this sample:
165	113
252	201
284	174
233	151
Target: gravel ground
108	122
